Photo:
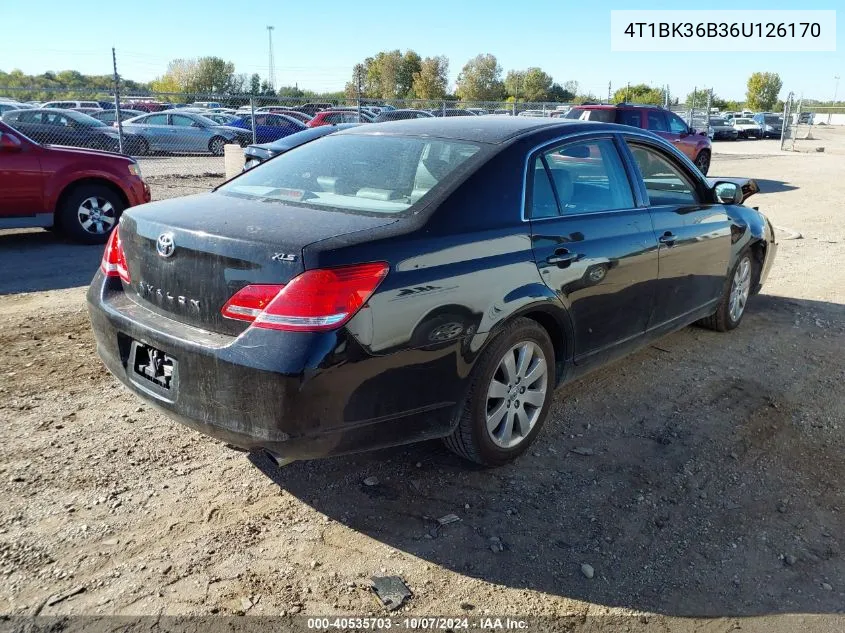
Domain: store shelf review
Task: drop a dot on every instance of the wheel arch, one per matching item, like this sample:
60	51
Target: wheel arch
543	306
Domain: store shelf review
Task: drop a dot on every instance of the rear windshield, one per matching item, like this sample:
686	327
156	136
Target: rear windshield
365	173
605	115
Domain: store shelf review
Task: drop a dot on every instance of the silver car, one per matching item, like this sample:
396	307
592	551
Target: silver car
184	132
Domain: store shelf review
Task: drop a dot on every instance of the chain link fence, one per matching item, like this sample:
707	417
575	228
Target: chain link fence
812	128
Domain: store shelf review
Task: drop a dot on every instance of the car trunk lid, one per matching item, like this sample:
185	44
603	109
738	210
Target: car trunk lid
186	257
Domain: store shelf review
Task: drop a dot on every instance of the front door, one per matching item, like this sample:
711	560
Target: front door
593	246
187	135
20	180
694	234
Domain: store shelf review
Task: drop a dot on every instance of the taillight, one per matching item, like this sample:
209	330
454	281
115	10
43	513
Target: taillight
114	259
321	299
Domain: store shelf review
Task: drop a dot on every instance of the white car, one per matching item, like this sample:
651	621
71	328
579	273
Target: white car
747	128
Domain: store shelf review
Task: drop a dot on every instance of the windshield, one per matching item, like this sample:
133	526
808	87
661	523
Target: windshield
743	121
718	122
774	120
365	173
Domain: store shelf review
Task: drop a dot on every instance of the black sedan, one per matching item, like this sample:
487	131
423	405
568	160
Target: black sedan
419	279
52	126
258	153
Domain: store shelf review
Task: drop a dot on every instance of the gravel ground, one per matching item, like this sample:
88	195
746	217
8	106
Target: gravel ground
699	477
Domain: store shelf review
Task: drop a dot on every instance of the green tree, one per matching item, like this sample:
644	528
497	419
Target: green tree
180	77
762	91
537	84
432	79
640	93
560	94
410	65
255	84
213	75
387	75
481	79
290	91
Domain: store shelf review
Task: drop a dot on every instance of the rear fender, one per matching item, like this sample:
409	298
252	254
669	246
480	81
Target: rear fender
538	302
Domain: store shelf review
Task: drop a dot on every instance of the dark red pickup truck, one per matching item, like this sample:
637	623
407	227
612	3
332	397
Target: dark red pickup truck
81	192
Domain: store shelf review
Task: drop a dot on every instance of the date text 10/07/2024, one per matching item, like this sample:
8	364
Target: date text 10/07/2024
418	624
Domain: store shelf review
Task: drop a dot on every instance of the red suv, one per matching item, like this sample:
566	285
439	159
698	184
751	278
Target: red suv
79	191
696	145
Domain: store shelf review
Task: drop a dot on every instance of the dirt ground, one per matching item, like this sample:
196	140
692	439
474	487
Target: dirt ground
712	483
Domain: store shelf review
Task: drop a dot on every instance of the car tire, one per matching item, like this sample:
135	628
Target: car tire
731	308
216	145
89	213
143	147
486	432
702	161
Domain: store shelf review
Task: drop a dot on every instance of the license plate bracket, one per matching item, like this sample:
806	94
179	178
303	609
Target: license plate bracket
152	369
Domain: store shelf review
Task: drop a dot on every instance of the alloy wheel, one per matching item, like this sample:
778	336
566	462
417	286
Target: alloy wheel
516	394
740	288
96	215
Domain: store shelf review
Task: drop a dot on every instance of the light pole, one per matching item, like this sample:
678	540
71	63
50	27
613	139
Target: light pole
835	93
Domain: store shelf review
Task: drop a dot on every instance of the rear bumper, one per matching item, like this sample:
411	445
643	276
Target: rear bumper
300	396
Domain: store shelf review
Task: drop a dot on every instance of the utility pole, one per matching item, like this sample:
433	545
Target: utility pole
627	92
117	101
609	93
358	82
272	78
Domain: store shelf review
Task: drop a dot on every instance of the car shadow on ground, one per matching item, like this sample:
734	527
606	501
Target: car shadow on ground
686	478
36	260
774	186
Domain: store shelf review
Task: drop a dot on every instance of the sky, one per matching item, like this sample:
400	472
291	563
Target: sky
317	43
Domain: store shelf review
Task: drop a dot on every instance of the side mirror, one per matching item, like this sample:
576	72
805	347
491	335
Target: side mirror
728	193
195	124
9	143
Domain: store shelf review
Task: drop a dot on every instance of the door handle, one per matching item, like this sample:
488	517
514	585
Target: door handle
562	258
668	238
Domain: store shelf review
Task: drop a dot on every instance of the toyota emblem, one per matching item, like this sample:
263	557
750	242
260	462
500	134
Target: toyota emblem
165	245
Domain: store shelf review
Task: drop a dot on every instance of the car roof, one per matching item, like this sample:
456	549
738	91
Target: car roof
480	129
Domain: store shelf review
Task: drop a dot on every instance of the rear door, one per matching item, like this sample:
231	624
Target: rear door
694	234
155	130
594	245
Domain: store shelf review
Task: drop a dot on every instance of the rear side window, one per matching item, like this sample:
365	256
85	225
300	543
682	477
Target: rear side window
629	117
582	177
605	115
665	182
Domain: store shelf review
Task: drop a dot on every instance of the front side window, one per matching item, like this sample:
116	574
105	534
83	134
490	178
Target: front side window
582	177
676	125
665	182
155	119
656	121
356	173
